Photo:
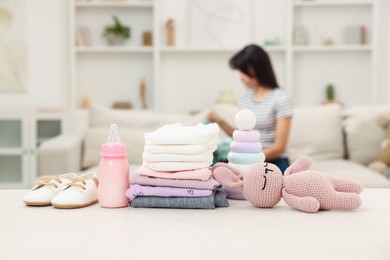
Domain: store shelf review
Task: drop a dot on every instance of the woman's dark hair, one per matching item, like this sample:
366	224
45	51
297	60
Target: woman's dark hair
254	62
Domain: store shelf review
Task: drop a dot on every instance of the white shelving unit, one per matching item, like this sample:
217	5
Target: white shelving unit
332	3
187	77
214	50
123	66
21	135
332	48
114	4
13	155
339	63
114	49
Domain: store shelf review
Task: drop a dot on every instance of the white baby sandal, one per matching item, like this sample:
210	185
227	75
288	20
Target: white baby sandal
46	189
81	192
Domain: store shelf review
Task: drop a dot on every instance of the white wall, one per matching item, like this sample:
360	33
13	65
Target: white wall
386	69
45	65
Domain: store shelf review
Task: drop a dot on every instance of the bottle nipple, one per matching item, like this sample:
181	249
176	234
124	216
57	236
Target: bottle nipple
114	137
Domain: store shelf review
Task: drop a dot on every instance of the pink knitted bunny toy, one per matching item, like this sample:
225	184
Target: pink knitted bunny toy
301	188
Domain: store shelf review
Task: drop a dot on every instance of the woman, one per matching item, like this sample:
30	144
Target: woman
263	96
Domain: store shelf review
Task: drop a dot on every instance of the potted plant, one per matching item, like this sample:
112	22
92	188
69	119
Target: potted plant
330	95
117	33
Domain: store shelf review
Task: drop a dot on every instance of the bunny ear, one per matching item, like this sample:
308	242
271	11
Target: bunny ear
227	175
302	163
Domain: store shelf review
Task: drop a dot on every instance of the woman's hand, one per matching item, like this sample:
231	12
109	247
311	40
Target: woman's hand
212	117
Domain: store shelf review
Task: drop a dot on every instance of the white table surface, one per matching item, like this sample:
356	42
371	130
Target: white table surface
237	232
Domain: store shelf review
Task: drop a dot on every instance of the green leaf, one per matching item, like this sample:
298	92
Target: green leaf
117	28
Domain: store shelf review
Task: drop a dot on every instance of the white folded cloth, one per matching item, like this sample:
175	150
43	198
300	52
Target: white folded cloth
182	148
179	134
177	166
161	157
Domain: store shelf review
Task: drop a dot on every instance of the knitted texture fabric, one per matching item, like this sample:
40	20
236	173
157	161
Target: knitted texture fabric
262	186
301	188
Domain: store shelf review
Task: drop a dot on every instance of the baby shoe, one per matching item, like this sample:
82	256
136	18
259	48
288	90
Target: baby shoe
81	192
46	189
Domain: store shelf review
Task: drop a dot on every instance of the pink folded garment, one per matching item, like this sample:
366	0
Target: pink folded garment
202	174
161	157
136	190
136	178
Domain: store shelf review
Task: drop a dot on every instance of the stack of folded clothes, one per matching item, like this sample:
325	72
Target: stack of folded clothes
175	171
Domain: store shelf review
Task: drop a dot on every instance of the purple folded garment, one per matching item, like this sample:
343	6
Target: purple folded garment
234	194
157	191
245	147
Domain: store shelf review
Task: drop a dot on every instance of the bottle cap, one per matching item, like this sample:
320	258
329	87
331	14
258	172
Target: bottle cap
113	147
114	136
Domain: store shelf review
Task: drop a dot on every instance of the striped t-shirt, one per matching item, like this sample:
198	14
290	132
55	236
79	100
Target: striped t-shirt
276	104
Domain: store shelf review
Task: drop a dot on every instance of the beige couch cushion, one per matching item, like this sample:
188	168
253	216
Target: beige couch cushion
317	132
363	133
95	137
101	116
354	171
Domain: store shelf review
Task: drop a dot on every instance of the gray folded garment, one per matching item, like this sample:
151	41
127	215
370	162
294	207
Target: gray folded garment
217	199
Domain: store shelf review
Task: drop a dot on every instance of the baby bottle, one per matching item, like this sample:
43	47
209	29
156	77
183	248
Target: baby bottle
113	172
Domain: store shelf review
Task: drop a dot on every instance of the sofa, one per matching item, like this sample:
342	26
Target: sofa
342	141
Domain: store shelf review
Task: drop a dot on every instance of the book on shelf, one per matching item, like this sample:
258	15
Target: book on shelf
83	36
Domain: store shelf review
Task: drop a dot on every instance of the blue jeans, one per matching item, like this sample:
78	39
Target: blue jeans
281	162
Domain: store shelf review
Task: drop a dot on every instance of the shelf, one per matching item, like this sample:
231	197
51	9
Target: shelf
213	50
335	48
12	185
10	151
49	116
113	49
114	4
332	3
